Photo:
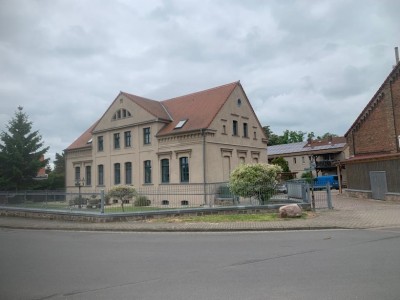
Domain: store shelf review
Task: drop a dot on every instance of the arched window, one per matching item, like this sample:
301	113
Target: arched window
121	113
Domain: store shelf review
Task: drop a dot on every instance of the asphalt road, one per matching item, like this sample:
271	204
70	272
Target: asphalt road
335	264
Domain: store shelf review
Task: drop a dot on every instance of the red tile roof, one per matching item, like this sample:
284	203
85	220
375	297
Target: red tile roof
371	157
327	142
151	106
199	109
83	140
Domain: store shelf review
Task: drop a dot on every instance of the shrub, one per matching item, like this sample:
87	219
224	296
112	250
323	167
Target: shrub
307	176
142	201
93	202
122	193
254	180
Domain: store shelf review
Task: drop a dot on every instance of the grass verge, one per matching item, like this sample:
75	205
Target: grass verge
223	218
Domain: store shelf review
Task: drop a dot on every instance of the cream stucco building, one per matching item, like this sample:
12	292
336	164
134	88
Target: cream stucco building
193	139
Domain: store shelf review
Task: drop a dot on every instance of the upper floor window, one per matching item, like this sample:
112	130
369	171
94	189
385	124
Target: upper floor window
235	127
127	138
100	173
147	171
165	170
116	141
117	173
184	169
100	143
88	175
128	173
121	114
146	136
245	130
294	160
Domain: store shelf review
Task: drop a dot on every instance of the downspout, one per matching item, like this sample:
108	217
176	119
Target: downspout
394	118
204	165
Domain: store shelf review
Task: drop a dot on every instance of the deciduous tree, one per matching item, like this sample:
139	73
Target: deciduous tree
122	193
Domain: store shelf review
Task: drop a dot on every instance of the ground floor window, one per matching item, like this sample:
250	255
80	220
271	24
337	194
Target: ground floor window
117	173
147	171
184	169
165	170
100	169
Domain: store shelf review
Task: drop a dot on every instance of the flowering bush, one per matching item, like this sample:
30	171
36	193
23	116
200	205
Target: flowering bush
254	180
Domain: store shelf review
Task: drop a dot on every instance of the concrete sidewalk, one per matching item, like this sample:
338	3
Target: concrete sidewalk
348	213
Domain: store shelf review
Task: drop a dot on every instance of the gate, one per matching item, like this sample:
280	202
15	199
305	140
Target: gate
378	184
319	198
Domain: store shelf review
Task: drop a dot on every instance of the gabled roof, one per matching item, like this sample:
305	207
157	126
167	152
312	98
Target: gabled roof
375	99
335	144
199	109
85	139
151	106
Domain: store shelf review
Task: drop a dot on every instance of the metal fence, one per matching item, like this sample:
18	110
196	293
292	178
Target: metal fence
167	197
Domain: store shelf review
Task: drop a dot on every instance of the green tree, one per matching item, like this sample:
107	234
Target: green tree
254	180
327	135
280	161
21	153
273	139
122	193
56	178
288	136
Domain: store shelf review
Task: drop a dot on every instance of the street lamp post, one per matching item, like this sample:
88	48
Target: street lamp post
79	183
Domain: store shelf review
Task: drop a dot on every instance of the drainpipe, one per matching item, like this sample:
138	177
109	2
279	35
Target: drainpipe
204	165
394	118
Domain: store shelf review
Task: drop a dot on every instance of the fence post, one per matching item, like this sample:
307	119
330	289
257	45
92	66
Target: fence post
102	201
329	195
304	192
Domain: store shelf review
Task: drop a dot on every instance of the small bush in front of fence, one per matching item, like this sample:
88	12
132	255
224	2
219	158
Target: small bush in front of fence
78	201
142	201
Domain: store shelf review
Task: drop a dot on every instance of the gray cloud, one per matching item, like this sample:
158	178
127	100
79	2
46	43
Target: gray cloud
305	65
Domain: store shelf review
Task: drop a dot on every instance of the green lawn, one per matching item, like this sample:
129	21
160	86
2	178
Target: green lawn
220	218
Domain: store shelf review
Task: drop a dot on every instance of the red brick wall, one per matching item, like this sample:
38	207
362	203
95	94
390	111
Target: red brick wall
396	105
375	133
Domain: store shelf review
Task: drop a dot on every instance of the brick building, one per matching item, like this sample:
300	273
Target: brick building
320	156
373	169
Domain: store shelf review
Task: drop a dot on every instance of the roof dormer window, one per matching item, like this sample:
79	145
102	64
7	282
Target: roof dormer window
180	124
121	114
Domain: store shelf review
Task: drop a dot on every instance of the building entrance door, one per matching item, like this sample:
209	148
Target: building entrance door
378	184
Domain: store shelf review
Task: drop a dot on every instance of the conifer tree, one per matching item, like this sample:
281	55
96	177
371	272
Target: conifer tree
21	153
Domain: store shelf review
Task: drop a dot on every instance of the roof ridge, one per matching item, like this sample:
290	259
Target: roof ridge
203	91
376	97
135	99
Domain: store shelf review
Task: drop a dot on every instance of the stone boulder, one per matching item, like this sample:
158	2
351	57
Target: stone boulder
290	211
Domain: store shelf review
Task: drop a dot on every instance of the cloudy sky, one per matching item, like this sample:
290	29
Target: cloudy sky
305	65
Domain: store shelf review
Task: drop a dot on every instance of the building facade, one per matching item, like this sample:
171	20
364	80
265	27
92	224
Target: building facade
193	139
374	143
319	156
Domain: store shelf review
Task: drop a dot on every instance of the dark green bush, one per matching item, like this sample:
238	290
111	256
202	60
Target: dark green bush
142	201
